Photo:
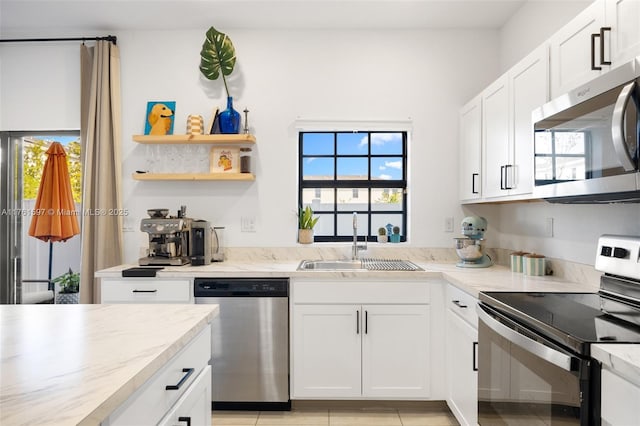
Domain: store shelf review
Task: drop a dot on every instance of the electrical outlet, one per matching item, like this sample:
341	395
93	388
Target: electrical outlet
548	227
248	224
448	224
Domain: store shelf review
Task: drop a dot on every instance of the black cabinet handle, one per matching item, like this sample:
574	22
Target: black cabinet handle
502	177
602	61
366	322
458	304
144	291
357	322
474	349
473	183
185	419
593	52
506	176
177	386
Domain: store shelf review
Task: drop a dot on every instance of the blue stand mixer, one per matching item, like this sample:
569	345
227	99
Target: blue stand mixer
470	248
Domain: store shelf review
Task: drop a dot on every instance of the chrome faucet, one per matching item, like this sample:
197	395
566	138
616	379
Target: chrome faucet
356	248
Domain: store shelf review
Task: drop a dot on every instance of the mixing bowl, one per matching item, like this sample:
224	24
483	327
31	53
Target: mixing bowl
469	249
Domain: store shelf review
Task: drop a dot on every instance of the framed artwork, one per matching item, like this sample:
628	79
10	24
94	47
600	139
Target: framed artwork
224	160
159	118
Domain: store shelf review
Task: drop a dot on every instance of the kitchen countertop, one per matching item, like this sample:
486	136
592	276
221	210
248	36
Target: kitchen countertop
471	280
75	364
623	358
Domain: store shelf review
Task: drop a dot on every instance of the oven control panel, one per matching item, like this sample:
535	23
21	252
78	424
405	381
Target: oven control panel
619	255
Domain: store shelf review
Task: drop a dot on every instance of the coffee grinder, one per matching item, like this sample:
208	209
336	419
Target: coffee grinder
200	252
470	248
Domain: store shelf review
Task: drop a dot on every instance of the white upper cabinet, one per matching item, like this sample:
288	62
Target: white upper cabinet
529	88
470	149
606	34
495	137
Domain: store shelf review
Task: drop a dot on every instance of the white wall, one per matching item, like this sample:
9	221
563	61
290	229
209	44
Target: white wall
282	76
534	22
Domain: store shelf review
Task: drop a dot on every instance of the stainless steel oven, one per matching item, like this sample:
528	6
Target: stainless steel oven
587	142
534	349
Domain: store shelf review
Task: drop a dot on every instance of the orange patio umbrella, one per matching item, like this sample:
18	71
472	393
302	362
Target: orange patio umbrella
54	217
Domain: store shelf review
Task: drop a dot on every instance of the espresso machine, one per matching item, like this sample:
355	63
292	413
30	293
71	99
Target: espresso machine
168	238
470	248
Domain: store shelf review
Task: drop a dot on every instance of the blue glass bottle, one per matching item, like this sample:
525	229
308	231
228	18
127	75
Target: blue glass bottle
229	118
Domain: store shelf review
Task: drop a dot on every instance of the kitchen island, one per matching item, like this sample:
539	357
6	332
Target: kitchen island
77	364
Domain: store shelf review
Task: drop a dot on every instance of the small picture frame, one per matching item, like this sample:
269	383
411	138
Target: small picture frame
224	160
214	125
159	118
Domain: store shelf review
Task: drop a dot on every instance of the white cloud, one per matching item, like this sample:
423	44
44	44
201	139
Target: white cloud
382	168
394	164
382	138
385	177
363	142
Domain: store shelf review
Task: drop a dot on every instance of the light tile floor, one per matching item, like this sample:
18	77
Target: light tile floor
336	417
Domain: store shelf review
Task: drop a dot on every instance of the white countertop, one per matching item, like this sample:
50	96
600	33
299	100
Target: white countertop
75	364
623	358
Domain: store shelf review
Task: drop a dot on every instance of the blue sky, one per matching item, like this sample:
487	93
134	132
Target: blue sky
387	144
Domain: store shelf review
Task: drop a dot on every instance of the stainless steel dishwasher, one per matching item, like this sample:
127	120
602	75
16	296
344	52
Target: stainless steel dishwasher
250	342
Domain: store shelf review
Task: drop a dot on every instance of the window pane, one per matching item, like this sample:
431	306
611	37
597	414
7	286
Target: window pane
386	168
386	143
317	144
353	168
345	224
320	199
570	168
317	168
348	201
382	220
544	168
352	144
543	142
386	199
569	142
324	225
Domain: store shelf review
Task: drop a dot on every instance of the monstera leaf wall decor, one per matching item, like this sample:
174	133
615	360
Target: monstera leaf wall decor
218	56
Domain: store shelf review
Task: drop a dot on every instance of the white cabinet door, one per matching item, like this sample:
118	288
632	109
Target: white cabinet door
469	157
495	137
620	400
194	407
571	50
529	83
395	351
462	374
146	290
623	17
326	351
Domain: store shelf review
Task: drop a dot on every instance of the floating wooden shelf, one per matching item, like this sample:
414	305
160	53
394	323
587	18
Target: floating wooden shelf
195	176
226	139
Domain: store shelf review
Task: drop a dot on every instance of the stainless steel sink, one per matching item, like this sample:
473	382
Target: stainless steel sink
364	264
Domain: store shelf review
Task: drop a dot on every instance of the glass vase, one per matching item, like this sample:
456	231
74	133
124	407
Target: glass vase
229	118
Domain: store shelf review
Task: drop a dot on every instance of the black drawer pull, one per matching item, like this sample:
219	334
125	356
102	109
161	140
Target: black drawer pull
144	291
602	61
458	304
189	372
185	419
593	52
473	183
474	348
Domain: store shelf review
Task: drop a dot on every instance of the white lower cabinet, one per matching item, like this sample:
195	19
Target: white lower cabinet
181	389
461	349
620	399
360	350
146	290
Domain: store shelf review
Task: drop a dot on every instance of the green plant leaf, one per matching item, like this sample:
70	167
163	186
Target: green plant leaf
218	56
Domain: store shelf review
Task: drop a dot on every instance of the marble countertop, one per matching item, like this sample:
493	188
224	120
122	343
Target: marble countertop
471	280
75	364
623	358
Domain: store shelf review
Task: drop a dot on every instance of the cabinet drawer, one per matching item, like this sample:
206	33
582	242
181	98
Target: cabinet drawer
414	292
462	304
146	290
153	400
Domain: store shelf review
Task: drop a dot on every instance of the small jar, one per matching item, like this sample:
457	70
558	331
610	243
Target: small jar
245	160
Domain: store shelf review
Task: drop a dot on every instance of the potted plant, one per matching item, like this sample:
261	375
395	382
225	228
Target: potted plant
218	57
306	222
382	235
395	236
69	283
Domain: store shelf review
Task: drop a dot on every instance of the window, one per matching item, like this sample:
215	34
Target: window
345	172
560	156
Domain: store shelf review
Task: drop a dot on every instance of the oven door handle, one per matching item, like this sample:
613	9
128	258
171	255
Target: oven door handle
617	127
548	354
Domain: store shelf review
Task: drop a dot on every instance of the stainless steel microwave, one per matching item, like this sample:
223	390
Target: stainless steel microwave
587	142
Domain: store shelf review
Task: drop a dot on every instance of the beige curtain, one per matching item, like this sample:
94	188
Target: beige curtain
101	146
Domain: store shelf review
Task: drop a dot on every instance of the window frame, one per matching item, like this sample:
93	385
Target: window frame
356	184
554	156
